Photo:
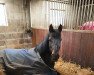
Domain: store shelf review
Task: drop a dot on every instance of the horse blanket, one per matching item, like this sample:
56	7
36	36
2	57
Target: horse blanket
24	62
88	26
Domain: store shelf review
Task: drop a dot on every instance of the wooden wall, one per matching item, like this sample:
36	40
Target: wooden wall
38	36
76	46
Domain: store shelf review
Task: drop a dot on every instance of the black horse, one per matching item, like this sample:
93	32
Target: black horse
37	61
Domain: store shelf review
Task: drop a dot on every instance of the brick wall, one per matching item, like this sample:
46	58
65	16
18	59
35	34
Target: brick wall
18	15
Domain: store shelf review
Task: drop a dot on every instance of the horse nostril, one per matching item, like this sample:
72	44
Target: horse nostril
59	47
52	52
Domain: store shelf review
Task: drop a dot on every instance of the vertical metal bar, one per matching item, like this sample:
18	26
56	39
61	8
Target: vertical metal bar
78	13
66	14
45	22
71	23
54	16
76	6
92	5
87	14
55	12
63	13
69	10
82	11
91	10
84	15
59	12
72	13
88	10
50	12
47	5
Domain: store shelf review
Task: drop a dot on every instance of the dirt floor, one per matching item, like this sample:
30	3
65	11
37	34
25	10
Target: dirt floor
67	68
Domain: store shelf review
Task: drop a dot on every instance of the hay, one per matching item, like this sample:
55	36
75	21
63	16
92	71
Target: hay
2	70
67	68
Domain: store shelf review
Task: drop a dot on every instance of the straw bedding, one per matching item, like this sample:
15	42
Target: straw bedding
67	68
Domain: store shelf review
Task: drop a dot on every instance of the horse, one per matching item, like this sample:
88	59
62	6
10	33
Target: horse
39	60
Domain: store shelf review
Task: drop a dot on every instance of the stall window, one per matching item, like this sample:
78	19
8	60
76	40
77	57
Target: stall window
3	16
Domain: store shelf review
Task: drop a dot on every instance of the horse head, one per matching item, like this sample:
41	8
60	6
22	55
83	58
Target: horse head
54	42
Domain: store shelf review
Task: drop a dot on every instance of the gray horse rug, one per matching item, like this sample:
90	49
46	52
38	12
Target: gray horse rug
24	62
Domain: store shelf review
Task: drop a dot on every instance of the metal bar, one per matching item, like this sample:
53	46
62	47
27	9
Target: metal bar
55	13
91	10
78	13
84	15
45	5
82	11
58	13
52	11
63	15
73	10
69	10
71	25
87	19
47	13
66	15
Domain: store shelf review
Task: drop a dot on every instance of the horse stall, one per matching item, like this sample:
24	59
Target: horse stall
24	24
77	19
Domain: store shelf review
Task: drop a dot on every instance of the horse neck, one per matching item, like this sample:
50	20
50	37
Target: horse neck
43	47
44	51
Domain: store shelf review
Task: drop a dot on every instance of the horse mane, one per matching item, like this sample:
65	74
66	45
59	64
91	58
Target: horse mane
43	46
44	51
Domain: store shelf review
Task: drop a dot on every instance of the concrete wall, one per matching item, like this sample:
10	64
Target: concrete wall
38	14
13	35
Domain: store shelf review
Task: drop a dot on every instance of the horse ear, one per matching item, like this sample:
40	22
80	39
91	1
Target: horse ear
51	29
60	28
